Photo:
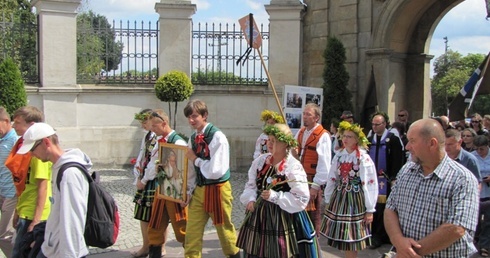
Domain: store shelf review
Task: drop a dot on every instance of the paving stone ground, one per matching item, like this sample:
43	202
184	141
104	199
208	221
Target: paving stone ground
119	183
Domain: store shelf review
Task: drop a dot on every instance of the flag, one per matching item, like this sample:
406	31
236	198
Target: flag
487	3
370	103
252	35
477	84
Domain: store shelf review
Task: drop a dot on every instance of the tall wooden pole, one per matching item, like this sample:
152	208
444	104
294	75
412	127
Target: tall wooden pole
272	85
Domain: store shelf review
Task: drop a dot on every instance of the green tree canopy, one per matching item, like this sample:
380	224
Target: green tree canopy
18	39
337	97
452	71
97	47
12	92
174	86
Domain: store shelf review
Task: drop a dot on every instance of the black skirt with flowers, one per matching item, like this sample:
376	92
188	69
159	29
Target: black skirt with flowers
270	231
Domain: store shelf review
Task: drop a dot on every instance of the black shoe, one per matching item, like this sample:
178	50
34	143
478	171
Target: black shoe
155	251
237	255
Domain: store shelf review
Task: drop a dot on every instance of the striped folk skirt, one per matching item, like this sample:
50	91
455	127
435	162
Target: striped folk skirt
269	231
143	200
342	222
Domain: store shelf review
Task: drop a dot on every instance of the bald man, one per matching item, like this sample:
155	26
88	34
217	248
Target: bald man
433	207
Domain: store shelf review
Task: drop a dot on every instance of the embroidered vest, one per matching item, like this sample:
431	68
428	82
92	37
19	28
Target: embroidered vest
203	153
174	138
308	155
379	154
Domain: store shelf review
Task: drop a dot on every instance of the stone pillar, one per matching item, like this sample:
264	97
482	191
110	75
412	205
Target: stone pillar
57	42
285	46
175	43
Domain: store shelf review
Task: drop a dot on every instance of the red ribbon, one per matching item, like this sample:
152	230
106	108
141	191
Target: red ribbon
201	144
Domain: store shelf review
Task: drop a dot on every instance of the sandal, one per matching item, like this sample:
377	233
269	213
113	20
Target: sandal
484	252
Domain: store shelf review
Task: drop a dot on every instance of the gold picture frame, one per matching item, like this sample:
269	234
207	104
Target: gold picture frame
172	172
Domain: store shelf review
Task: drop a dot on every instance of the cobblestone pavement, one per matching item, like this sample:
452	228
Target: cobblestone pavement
119	183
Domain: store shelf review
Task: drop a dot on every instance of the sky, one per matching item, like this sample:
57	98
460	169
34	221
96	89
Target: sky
465	25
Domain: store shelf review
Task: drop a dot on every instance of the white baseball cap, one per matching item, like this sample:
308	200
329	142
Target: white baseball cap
33	134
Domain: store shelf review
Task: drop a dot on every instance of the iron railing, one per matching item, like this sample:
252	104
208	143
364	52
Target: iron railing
128	55
215	51
19	41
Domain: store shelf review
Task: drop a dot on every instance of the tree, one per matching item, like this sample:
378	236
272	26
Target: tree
96	43
18	40
452	71
12	92
174	86
337	97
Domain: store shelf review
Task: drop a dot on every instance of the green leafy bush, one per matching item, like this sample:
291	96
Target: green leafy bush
12	92
174	86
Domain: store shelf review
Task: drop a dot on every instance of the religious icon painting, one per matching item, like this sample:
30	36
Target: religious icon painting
172	172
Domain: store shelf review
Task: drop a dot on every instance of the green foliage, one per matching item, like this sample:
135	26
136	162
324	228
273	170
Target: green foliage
210	77
452	72
337	97
174	86
12	91
18	39
97	47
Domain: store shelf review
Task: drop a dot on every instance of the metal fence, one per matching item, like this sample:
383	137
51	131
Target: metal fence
217	48
19	39
117	53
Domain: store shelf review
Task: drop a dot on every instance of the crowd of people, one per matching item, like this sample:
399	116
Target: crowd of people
422	187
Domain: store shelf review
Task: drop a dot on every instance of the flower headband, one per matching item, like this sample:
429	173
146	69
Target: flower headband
142	116
269	114
280	136
355	128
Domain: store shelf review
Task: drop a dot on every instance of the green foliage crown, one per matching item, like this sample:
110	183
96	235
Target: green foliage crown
174	86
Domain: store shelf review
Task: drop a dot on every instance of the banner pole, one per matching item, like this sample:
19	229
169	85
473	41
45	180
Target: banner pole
272	85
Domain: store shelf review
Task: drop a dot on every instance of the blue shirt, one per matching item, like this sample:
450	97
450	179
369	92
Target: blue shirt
470	162
7	188
484	164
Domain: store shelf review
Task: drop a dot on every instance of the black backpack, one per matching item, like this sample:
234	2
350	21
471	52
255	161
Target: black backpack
102	225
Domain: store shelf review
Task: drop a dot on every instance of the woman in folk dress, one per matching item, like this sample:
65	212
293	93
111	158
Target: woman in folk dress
276	194
350	193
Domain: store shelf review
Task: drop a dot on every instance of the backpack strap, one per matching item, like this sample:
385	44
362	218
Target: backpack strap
69	165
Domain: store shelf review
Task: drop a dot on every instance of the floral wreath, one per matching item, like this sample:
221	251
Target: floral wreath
280	136
142	116
269	114
355	128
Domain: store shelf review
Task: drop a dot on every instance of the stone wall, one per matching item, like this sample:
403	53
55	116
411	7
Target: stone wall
100	119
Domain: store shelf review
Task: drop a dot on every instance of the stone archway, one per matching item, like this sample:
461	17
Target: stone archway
399	54
390	37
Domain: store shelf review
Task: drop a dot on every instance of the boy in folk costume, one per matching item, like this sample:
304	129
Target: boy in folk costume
209	185
315	154
164	210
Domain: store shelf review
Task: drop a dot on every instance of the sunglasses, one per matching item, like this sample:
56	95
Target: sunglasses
37	143
476	121
401	115
155	114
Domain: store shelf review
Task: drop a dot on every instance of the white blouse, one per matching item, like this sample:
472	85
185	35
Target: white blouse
293	201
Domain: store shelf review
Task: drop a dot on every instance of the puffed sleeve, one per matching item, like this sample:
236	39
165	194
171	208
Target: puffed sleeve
297	198
331	180
250	190
369	182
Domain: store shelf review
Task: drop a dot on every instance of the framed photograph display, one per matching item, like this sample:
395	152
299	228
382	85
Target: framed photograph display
172	172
